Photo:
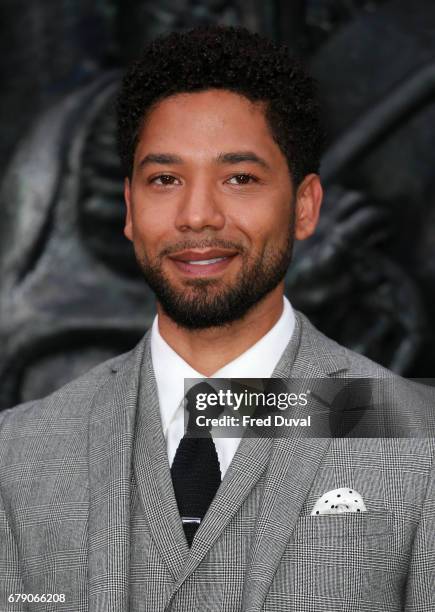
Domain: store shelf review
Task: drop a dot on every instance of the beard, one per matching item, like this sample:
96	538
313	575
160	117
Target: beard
212	302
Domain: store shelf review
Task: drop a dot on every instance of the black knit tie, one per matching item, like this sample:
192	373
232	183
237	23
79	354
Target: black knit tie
195	471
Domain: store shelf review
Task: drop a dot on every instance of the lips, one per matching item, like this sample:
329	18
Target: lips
203	255
203	263
206	262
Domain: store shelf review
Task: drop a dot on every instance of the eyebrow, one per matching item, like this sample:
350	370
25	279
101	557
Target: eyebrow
235	157
160	158
242	156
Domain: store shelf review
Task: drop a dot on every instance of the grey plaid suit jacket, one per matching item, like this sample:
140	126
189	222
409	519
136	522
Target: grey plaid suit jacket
87	507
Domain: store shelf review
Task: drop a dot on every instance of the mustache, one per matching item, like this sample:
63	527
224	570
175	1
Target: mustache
203	244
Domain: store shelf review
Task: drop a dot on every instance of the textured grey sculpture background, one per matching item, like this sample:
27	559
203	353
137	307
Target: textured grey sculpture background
70	292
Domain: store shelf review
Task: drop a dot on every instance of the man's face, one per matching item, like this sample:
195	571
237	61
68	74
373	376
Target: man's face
209	184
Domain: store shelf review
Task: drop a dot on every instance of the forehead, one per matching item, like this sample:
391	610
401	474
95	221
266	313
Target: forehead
207	122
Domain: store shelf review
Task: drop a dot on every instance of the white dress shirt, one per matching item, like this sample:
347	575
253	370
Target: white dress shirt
170	370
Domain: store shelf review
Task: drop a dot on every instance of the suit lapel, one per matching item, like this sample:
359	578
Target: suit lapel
292	467
152	473
111	427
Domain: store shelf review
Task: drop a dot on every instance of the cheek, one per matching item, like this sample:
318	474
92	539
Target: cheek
281	220
147	225
265	222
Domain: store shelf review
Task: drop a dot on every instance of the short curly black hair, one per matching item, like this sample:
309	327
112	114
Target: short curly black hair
235	59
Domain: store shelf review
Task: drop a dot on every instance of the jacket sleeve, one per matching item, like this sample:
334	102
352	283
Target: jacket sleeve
10	576
420	588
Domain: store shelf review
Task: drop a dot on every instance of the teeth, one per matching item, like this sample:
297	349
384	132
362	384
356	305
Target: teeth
205	262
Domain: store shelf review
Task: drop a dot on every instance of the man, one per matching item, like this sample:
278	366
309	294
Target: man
220	139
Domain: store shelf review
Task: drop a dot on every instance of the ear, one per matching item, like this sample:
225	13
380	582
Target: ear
308	201
128	227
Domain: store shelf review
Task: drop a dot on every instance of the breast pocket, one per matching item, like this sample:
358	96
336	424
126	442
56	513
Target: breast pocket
344	525
338	561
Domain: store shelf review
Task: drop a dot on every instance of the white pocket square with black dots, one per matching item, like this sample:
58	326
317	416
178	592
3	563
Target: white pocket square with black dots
340	500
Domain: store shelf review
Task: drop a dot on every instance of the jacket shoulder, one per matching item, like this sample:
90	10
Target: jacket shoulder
406	402
355	363
70	402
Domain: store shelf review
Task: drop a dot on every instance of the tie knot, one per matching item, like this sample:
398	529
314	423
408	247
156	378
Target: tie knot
198	398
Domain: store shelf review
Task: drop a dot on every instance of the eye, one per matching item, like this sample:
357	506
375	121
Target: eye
243	179
163	180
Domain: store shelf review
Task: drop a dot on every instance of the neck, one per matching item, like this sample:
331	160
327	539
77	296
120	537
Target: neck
208	350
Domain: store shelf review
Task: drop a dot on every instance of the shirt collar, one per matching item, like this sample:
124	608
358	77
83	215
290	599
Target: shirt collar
258	361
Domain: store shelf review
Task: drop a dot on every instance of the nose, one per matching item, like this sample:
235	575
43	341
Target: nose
199	208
